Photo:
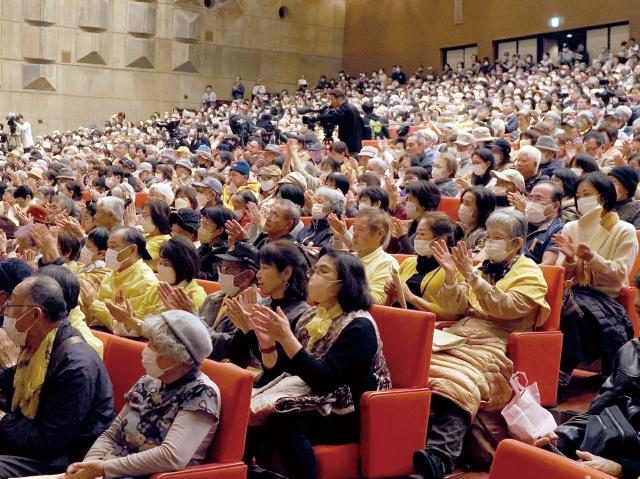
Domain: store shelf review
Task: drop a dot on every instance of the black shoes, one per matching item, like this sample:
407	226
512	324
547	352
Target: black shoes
428	465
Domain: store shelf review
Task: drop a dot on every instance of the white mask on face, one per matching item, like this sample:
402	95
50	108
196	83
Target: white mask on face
496	250
438	174
86	255
317	211
150	363
535	213
218	165
500	190
411	209
182	203
167	274
478	170
159	177
267	185
202	199
238	214
19	338
465	214
148	226
111	259
525	142
422	247
587	204
110	181
227	284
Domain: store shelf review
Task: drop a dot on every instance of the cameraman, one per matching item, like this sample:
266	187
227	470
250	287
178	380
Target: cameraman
348	119
26	138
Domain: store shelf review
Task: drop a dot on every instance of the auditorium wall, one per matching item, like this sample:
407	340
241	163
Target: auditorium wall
65	63
412	32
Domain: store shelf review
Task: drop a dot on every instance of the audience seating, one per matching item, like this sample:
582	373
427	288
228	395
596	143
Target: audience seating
209	286
636	265
141	199
122	357
373	143
450	206
306	220
516	459
627	299
394	422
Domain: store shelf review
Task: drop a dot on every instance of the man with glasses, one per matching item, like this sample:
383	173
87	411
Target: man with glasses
59	396
543	211
12	272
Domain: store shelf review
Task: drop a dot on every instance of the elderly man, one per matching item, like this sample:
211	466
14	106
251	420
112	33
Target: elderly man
542	210
59	397
12	272
465	144
528	164
549	162
109	213
327	201
371	233
421	146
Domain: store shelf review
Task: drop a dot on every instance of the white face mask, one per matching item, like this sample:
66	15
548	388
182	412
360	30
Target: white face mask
587	204
496	250
525	142
238	214
86	255
110	181
465	214
267	185
159	177
18	337
202	199
111	259
317	211
148	226
227	284
478	170
500	190
365	206
150	363
423	247
535	213
411	209
166	274
438	174
218	165
182	203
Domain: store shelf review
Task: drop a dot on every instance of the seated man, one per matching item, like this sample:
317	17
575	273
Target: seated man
543	212
12	272
59	397
371	231
282	218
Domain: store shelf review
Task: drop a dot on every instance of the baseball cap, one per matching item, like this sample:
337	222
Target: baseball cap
465	139
210	183
187	219
512	176
242	167
369	151
242	252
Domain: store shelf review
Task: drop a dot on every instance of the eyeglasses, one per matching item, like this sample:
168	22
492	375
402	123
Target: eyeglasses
8	305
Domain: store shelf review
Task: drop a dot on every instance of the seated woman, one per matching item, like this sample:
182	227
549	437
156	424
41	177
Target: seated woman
92	269
567	180
241	202
334	349
476	205
156	223
178	268
71	290
443	174
130	288
505	294
172	412
213	240
282	282
327	201
625	179
421	275
598	251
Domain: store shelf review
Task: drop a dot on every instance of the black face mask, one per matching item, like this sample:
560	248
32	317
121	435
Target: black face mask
502	201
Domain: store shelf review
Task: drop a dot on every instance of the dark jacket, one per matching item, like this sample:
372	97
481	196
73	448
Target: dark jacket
350	125
533	181
548	168
629	211
540	239
263	239
317	234
375	127
209	262
622	389
76	405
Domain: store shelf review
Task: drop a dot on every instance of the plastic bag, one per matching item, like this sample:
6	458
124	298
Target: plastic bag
526	419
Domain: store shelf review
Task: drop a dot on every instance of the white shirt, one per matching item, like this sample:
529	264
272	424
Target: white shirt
26	138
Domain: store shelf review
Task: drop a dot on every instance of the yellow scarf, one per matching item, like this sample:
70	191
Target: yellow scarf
583	273
30	374
319	326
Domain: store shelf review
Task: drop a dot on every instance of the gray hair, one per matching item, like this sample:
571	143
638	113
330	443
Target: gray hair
418	138
163	189
156	329
378	163
113	205
335	198
292	210
530	150
68	204
513	221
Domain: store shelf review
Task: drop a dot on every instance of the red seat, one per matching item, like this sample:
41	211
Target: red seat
636	265
209	286
516	459
141	199
627	299
122	357
450	206
393	423
373	143
306	220
349	222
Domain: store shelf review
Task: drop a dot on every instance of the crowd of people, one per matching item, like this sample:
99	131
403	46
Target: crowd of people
297	204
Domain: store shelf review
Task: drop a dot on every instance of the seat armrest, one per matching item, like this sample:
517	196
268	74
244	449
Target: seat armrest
537	353
393	426
233	470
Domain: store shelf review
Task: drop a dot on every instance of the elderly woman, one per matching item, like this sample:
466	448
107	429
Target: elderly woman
476	205
326	201
334	352
172	412
109	213
597	252
130	289
505	294
421	275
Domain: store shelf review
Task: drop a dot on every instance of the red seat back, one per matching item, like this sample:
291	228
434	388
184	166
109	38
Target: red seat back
306	220
450	206
516	459
123	359
627	299
554	276
407	337
235	390
209	286
141	199
636	265
373	143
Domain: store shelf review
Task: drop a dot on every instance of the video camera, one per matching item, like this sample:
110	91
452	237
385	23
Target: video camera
12	123
311	121
176	135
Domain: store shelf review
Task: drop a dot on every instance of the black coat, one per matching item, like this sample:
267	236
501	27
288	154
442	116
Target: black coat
317	234
350	125
76	405
209	262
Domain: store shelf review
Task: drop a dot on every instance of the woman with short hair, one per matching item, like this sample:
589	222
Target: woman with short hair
213	240
326	201
156	223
